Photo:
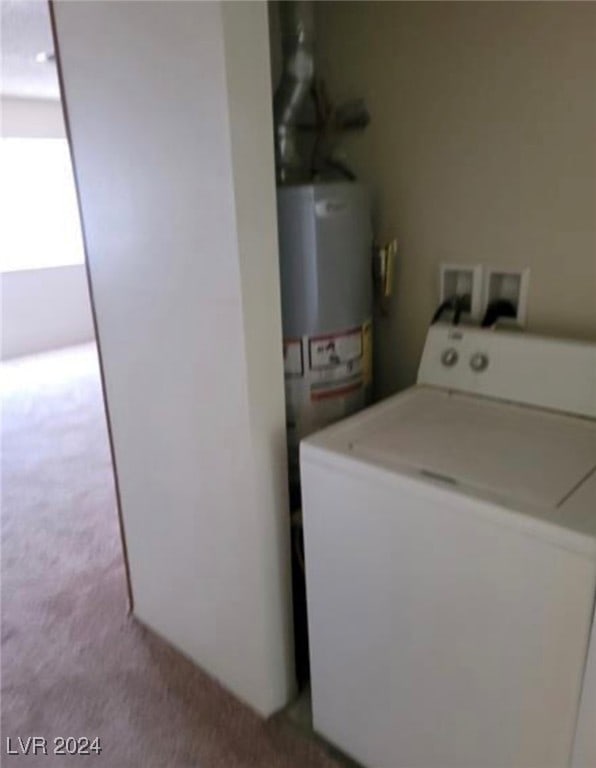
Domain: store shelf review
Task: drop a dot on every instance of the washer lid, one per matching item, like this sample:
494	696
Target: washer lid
518	454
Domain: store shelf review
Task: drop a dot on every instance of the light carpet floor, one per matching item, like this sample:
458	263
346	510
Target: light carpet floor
73	662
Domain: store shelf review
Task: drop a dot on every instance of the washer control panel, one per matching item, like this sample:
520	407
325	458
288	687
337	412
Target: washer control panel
551	373
478	360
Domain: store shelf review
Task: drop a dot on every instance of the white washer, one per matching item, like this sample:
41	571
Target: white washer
450	541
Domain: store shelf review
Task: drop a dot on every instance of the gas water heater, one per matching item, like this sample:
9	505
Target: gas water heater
325	242
325	246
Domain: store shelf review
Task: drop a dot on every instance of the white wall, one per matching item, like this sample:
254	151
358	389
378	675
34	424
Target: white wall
172	137
481	148
44	309
41	308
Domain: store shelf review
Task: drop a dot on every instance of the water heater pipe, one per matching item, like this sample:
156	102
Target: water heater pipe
297	41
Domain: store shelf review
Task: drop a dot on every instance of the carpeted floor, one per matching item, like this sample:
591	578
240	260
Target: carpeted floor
73	662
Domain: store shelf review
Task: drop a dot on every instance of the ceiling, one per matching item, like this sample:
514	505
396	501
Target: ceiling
25	31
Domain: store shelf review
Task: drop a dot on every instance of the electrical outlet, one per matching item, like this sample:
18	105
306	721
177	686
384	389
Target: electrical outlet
461	280
510	285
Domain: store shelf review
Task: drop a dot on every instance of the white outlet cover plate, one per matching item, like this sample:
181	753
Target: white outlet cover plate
523	276
470	273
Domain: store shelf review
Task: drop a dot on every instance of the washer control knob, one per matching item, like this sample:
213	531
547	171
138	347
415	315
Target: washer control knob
449	357
479	362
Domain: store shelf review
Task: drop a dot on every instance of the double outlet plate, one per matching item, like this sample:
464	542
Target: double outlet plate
485	285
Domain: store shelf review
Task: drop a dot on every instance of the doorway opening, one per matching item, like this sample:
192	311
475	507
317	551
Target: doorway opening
62	554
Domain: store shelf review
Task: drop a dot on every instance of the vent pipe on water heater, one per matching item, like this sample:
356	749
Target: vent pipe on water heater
297	41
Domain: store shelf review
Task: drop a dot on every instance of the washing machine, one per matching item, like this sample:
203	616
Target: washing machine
450	551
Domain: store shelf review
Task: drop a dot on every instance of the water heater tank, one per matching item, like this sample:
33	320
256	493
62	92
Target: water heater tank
325	242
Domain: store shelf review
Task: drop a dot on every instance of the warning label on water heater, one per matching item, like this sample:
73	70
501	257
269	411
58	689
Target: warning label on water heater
337	349
335	362
327	378
328	366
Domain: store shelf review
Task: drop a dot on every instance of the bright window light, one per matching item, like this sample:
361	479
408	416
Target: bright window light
38	208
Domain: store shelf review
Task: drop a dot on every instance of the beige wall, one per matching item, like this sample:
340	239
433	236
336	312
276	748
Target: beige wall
31	118
481	149
44	309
